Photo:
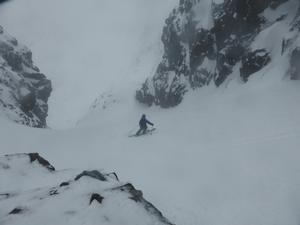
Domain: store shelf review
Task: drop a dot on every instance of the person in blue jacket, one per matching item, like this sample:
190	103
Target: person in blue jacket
143	125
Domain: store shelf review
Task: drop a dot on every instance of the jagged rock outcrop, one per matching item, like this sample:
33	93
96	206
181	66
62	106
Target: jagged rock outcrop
2	1
295	65
206	42
5	162
253	62
36	157
91	197
24	91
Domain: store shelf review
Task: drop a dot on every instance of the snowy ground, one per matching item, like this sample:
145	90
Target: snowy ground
231	159
224	156
50	196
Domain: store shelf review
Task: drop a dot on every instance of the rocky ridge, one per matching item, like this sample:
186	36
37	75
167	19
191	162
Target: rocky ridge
45	195
24	90
208	41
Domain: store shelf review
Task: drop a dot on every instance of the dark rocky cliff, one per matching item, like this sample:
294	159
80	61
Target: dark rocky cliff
24	90
204	42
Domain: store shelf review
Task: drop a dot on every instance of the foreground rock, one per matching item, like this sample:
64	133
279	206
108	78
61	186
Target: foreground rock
209	41
24	91
90	197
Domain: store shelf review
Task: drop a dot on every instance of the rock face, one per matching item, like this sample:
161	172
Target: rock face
24	91
2	1
253	62
206	42
295	65
32	192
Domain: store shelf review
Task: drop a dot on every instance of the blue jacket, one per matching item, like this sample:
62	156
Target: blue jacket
143	123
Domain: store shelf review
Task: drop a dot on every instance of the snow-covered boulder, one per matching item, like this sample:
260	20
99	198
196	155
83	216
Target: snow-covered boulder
90	197
207	41
24	91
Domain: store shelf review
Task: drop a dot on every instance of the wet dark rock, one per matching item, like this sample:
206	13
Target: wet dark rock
145	95
253	62
53	192
295	64
282	17
93	174
113	174
195	56
296	23
27	102
16	211
3	1
36	157
14	60
202	45
96	197
33	157
4	196
137	196
24	91
63	184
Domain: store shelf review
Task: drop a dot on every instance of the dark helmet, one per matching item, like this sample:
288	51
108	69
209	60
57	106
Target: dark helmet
143	116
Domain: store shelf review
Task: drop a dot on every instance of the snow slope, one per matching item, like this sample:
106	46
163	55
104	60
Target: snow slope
231	159
90	197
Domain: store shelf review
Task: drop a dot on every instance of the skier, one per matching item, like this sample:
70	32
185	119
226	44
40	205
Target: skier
143	125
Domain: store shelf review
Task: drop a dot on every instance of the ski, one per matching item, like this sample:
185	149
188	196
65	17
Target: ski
148	132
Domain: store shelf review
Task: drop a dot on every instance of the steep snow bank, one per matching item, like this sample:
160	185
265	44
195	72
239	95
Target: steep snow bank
92	197
225	156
